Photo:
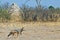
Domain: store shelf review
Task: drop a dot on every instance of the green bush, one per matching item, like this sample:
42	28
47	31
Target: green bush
4	15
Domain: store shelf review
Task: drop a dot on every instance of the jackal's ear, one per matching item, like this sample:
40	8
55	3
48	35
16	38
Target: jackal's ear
22	29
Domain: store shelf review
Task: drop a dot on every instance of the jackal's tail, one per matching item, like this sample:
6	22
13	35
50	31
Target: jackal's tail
9	34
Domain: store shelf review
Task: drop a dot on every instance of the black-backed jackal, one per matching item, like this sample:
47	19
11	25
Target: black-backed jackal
16	31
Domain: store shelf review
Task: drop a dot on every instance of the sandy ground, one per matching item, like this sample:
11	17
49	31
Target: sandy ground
32	32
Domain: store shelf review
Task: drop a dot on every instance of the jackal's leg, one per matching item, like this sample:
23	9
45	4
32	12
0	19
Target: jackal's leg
20	33
15	35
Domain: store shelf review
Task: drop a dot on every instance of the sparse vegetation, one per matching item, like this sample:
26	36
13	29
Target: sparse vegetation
38	13
4	15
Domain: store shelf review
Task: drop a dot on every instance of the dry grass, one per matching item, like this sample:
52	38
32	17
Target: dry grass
33	30
19	24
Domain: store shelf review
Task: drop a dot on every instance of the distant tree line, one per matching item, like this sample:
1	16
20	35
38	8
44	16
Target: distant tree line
37	13
41	14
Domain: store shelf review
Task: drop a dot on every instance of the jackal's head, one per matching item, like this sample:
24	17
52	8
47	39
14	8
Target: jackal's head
22	29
